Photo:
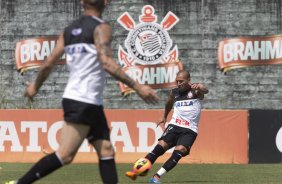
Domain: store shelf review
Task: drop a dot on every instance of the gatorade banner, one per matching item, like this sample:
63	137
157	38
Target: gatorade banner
27	135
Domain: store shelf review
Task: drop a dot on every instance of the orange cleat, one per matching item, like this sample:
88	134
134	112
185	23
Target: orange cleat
131	175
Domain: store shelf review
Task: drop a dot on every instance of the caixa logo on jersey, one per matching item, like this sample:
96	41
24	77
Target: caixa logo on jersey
149	57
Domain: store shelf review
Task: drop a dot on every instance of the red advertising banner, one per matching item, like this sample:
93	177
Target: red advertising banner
253	51
27	135
31	53
157	76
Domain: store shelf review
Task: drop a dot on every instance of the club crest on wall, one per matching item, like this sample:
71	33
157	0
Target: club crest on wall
149	56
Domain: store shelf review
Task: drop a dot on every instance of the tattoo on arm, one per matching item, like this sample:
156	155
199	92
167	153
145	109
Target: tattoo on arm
105	49
123	77
203	89
102	36
103	40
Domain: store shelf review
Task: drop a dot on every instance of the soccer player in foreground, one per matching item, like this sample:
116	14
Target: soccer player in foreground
182	129
89	56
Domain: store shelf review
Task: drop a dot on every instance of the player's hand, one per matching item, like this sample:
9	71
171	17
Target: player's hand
30	91
147	94
195	86
199	87
162	123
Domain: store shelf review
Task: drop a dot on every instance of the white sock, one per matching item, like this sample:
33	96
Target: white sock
161	172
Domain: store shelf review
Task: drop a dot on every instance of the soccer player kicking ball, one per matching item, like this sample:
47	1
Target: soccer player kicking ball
182	129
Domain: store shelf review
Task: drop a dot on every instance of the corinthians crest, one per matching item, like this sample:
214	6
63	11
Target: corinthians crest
149	57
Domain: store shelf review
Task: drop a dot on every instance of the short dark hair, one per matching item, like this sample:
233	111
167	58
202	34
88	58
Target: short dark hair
99	4
184	72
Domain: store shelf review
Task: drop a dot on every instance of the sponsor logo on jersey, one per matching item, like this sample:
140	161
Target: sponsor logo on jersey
149	56
182	122
190	94
183	103
74	49
76	32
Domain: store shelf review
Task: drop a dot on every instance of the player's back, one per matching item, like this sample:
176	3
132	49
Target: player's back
87	77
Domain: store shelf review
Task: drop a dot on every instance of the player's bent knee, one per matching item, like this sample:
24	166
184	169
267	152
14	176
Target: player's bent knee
66	158
107	151
185	151
165	145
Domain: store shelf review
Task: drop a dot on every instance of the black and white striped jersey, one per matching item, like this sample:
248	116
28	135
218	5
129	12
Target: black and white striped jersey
87	77
187	109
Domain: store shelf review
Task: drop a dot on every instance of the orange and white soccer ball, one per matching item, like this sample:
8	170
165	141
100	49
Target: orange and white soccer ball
142	166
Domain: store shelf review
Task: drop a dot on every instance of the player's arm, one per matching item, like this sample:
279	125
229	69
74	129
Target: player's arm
200	90
102	40
46	68
168	107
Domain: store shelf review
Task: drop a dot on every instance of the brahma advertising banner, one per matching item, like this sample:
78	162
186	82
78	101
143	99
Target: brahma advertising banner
245	52
31	53
265	142
27	135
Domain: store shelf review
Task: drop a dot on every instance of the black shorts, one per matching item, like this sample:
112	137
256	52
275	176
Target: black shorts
88	114
175	135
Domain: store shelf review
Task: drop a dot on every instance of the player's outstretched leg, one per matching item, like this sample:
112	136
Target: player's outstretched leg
168	165
140	168
155	179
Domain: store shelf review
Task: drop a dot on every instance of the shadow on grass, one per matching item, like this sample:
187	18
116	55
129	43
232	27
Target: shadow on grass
197	182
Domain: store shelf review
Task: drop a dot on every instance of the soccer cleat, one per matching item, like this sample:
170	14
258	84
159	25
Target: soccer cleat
11	182
154	180
131	175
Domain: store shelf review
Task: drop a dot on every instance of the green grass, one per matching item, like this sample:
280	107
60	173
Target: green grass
181	174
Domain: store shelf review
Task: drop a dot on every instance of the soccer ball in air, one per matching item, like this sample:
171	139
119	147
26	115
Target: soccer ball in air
142	166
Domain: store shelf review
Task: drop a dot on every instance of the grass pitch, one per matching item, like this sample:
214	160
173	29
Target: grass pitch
181	174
